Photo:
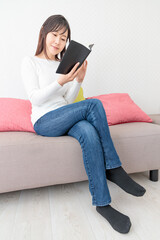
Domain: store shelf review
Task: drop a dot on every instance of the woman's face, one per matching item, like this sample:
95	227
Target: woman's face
55	42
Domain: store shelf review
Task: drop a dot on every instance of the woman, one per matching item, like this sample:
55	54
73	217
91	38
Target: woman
54	114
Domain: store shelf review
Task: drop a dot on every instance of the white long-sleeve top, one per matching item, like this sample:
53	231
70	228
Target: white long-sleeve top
44	92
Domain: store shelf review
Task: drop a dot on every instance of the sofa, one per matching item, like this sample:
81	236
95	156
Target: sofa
28	160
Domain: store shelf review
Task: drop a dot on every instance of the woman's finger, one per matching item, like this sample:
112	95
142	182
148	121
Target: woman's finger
77	71
74	68
86	63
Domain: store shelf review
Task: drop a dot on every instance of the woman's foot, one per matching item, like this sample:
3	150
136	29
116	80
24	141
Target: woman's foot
117	220
121	178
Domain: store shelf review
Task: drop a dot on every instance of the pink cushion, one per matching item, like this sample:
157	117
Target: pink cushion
120	108
15	115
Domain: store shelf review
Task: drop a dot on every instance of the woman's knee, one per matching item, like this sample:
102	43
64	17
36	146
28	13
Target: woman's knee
95	101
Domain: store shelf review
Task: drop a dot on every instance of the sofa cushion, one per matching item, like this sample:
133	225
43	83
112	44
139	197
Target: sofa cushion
29	160
120	108
137	145
80	96
15	115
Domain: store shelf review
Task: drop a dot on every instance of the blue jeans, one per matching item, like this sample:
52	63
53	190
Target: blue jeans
86	121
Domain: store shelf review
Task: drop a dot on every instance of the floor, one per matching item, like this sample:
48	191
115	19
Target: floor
65	212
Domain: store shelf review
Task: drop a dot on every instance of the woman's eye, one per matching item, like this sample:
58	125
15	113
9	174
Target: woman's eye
56	36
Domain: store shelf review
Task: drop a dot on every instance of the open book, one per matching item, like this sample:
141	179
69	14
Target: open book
75	53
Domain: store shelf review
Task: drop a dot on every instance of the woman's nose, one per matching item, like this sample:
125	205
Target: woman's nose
57	40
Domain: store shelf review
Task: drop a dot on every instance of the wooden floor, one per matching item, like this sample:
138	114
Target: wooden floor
65	212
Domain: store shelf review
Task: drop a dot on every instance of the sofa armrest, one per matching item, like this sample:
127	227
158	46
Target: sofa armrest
155	118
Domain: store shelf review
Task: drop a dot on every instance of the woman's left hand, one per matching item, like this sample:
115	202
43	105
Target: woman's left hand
82	72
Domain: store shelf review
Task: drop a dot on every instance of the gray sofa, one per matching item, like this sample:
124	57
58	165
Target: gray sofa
28	160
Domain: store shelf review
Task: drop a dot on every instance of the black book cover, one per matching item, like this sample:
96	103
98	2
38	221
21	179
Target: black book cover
75	52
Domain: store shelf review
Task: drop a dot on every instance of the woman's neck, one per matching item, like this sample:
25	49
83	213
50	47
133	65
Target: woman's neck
41	55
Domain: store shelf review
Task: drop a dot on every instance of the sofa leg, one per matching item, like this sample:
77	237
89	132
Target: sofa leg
153	175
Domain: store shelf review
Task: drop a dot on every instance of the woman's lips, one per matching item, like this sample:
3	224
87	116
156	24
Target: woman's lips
55	47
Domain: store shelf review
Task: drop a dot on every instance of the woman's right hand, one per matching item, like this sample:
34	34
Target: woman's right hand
64	78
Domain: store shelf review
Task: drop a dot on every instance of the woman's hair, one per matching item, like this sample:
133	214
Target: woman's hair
52	24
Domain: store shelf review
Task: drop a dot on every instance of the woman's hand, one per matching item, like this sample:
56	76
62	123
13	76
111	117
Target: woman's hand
64	78
81	74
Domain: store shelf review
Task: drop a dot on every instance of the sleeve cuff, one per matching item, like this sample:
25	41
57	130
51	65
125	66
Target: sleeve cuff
58	85
77	83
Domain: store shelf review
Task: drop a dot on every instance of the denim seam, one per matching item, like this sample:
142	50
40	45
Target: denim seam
89	175
91	180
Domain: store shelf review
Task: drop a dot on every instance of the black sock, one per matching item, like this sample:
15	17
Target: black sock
118	221
121	178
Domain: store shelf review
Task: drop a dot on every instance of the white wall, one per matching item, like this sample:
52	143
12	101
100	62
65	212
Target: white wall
126	55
